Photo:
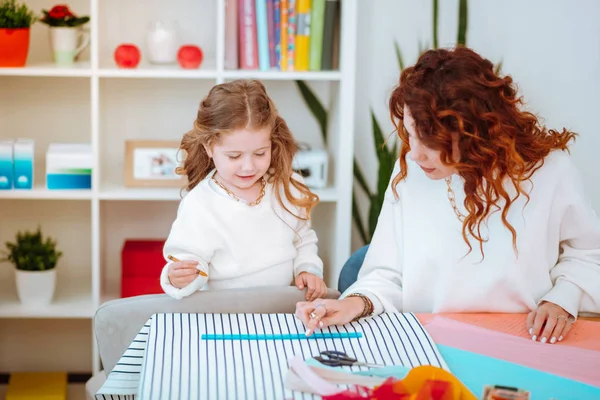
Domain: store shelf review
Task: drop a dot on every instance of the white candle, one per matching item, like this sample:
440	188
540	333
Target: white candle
162	42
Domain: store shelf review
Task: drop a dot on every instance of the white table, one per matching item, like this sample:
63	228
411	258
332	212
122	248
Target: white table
168	359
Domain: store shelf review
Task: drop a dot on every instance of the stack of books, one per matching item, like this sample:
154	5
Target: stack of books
284	35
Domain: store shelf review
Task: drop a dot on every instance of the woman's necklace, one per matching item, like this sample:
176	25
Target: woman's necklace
452	199
230	193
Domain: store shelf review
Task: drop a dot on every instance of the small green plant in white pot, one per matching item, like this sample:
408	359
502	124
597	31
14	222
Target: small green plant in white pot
34	258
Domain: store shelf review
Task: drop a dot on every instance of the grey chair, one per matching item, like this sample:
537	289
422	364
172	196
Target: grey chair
118	321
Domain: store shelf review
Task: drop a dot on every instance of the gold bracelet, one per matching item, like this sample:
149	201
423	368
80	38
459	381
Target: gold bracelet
367	309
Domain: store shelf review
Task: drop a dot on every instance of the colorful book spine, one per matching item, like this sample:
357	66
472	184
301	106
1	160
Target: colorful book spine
283	39
247	29
317	22
277	24
271	32
262	32
291	39
331	10
231	34
302	35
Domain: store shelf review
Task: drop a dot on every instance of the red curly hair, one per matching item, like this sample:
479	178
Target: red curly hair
450	92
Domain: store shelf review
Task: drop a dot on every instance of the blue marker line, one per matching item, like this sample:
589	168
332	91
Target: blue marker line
340	335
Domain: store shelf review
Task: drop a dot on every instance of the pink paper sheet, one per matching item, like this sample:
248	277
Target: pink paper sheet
571	362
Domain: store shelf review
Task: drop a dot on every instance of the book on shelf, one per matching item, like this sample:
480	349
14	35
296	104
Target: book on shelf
284	35
248	41
271	33
231	34
291	39
317	22
262	34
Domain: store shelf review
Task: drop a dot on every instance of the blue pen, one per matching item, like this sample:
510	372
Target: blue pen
288	336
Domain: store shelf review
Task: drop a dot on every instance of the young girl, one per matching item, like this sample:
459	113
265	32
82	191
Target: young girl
245	221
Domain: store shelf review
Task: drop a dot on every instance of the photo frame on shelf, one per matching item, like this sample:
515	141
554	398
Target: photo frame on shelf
152	163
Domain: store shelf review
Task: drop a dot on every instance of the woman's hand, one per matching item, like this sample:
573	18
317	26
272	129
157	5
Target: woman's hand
315	287
549	322
182	273
322	313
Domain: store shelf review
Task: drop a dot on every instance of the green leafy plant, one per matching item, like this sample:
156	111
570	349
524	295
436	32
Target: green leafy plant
386	151
15	16
60	15
32	252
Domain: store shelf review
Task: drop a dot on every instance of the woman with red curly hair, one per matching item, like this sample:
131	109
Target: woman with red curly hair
485	211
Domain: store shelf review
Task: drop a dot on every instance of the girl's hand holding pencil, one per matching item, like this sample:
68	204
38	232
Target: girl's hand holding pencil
182	273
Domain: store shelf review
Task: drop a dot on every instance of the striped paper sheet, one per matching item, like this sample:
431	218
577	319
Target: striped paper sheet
178	364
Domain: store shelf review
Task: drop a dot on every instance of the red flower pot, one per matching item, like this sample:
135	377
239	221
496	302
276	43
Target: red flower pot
14	47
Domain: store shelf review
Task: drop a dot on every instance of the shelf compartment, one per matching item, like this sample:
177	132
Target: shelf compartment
47	110
121	22
69	223
46	345
122	220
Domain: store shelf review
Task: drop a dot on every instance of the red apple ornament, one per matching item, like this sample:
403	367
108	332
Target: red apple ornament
127	55
190	56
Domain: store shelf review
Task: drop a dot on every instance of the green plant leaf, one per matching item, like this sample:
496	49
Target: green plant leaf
386	166
386	159
463	14
15	15
421	47
399	56
358	221
378	138
374	211
30	252
498	69
435	23
315	106
360	179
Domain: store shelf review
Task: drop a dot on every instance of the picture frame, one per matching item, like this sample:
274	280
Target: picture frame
152	163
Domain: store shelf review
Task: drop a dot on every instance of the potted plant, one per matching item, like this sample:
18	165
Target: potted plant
34	258
15	23
67	38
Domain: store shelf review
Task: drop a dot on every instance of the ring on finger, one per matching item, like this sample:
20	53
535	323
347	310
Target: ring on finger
321	305
314	315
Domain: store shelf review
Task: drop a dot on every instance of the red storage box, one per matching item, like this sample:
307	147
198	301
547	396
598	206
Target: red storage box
141	264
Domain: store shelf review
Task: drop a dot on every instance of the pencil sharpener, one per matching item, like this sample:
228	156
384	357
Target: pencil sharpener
312	165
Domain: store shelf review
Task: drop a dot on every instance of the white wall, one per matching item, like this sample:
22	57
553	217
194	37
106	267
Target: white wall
550	47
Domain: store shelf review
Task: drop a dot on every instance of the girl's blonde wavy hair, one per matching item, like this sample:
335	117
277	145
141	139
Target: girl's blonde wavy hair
244	104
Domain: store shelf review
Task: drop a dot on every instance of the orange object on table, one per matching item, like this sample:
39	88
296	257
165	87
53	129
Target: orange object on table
425	382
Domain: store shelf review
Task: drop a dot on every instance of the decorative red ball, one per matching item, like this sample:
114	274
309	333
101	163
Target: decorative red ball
127	55
190	56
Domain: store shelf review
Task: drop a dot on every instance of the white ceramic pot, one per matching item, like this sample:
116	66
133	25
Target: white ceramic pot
35	288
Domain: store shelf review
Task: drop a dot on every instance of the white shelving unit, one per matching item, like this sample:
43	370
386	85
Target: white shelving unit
96	102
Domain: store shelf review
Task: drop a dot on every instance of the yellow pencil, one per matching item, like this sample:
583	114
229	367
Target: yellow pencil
174	259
